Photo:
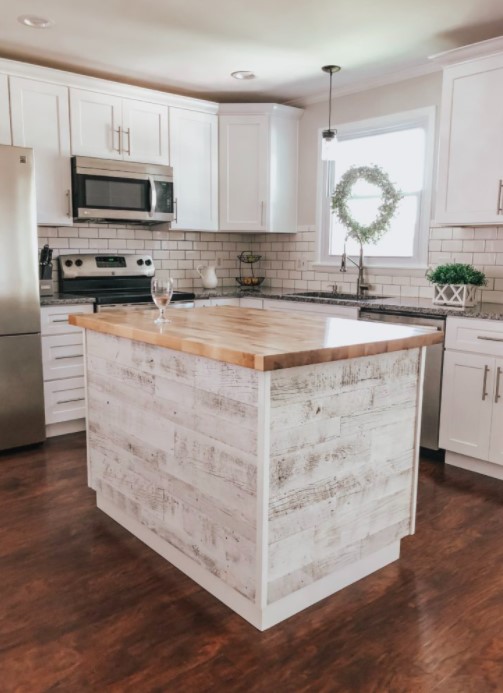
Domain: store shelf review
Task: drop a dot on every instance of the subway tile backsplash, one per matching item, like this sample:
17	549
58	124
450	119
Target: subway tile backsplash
286	258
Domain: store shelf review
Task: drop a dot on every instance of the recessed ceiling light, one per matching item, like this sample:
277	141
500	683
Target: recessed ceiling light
243	74
35	22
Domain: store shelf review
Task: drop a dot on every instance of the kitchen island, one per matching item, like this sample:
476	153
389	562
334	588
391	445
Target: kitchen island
272	458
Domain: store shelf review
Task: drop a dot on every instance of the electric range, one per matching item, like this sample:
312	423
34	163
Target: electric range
116	282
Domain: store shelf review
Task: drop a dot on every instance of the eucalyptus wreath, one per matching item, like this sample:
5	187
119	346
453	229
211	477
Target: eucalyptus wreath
391	196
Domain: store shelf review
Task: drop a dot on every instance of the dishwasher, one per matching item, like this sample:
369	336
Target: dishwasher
432	388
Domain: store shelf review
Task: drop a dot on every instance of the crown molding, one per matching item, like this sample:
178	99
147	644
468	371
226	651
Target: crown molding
272	109
16	68
367	83
482	49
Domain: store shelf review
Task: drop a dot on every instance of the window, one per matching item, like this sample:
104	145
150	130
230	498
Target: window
402	145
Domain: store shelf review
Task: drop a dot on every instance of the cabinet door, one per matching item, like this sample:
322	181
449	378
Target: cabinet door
40	120
496	442
5	133
467	401
471	144
313	308
145	132
194	157
96	119
244	173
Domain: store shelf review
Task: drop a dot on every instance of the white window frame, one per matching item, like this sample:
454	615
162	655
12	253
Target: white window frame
421	117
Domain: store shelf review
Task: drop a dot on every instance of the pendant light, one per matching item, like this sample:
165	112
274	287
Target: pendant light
329	139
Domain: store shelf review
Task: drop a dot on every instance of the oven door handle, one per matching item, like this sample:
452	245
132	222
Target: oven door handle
153	197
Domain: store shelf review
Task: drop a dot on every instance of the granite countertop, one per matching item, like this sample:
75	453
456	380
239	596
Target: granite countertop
64	299
260	339
420	306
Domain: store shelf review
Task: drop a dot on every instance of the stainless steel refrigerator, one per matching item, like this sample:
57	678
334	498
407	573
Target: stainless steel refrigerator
21	382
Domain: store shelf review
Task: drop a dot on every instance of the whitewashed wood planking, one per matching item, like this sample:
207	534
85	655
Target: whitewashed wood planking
267	482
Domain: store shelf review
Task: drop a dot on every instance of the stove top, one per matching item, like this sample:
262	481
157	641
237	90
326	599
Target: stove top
111	279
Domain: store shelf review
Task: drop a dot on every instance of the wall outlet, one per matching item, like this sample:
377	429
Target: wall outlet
219	262
302	264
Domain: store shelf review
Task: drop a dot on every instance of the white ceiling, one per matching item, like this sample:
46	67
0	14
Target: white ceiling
191	46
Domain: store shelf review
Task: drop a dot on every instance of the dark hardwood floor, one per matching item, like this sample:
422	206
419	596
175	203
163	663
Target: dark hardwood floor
84	606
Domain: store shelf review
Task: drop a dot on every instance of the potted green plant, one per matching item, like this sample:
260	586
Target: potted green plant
456	284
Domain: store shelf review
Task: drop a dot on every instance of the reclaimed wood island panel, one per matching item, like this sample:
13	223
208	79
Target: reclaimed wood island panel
270	457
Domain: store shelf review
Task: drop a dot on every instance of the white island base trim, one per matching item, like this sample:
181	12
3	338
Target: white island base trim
471	464
271	490
269	615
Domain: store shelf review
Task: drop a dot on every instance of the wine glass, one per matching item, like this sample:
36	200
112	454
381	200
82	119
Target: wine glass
162	291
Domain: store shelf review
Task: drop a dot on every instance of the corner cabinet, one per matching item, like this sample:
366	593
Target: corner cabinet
112	127
40	119
194	157
471	429
258	156
5	132
470	174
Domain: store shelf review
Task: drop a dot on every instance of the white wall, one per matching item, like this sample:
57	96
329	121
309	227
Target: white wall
392	98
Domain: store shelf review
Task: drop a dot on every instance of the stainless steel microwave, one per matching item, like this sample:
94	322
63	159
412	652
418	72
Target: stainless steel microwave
108	190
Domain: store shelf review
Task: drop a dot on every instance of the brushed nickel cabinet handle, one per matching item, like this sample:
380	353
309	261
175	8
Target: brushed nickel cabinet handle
484	384
128	133
61	320
262	205
490	339
67	401
500	200
71	356
497	393
68	204
175	209
119	139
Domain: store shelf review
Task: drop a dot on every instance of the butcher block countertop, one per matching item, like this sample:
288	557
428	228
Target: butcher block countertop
260	339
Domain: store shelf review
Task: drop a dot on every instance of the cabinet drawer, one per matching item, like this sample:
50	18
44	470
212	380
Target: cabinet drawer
480	336
54	319
313	308
250	302
65	400
62	356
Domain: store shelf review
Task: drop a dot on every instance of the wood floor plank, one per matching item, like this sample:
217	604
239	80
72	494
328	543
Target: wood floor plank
87	607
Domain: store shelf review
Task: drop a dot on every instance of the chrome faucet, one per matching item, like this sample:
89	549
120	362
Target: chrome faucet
361	287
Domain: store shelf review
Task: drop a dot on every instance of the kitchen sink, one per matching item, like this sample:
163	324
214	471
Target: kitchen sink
336	297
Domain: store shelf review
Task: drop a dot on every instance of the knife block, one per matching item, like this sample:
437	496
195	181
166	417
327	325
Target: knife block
46	287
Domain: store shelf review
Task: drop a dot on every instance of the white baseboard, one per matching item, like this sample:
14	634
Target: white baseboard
271	614
61	429
473	465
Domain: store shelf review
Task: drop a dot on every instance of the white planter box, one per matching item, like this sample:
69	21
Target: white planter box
458	295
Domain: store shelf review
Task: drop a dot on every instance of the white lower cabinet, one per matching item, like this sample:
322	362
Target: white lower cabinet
335	311
63	366
467	404
471	421
222	301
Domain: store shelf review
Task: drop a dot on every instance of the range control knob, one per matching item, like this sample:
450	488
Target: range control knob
139	262
79	263
148	262
68	263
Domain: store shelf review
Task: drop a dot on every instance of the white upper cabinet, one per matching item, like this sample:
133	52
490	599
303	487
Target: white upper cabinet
5	133
194	157
40	119
470	171
258	149
145	128
111	127
95	121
